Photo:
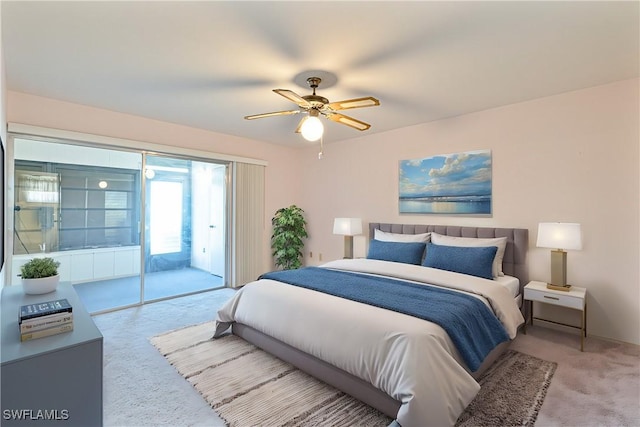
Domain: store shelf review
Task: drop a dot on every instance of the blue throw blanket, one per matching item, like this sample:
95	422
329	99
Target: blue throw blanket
471	325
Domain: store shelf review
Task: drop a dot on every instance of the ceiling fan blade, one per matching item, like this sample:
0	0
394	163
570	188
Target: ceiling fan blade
293	97
275	113
299	128
349	121
367	101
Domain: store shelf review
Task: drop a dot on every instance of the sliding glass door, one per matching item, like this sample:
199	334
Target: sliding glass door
126	227
185	227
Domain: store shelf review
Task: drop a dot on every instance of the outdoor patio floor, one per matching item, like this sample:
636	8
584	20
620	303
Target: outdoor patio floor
109	294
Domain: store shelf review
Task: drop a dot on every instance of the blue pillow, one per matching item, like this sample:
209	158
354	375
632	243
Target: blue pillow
408	253
475	261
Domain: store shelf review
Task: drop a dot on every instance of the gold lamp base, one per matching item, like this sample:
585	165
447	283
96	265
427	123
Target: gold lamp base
348	247
559	271
564	288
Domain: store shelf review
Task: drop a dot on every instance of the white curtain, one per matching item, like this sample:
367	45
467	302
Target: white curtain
248	229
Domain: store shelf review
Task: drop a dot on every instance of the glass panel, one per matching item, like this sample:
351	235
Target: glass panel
91	224
185	232
37	199
165	217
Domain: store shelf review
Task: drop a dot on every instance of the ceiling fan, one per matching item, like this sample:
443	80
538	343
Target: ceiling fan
310	126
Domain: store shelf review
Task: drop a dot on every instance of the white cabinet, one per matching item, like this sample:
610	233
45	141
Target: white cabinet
136	260
81	267
87	265
64	270
103	264
127	263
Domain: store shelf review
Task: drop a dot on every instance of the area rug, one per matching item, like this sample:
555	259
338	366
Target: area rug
248	387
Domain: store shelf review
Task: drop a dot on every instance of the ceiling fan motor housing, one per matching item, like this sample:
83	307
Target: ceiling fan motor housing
316	101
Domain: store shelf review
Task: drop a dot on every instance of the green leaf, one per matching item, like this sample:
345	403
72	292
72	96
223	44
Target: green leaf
287	237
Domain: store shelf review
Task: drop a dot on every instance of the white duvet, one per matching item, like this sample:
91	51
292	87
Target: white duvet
412	360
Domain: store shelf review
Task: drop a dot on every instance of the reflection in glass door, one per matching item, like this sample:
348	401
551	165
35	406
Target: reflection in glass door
80	206
185	226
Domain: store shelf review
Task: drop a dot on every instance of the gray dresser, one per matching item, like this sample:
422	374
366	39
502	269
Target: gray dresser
55	380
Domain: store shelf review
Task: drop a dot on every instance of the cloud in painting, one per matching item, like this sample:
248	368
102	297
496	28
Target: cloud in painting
461	174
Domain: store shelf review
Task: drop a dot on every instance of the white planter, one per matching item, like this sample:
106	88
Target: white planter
43	285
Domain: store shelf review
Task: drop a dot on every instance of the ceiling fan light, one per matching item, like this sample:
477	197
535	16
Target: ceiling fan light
312	129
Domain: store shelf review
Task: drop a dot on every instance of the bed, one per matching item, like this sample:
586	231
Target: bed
406	367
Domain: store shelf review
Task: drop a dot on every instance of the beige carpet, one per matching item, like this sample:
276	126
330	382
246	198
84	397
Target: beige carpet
248	387
597	387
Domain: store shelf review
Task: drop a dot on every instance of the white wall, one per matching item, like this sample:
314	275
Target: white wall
569	158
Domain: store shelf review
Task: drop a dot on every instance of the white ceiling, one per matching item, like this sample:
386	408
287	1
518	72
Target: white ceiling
208	64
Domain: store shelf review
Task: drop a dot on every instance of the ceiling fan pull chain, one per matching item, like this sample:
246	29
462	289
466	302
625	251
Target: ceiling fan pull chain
320	154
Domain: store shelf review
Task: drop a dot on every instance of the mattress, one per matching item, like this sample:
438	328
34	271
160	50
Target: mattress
511	283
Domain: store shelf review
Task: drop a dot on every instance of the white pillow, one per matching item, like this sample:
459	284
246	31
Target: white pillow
499	242
383	236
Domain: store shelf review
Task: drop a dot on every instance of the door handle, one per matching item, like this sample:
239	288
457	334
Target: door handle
212	226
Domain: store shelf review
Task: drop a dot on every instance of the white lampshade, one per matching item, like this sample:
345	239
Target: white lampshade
312	128
347	226
559	235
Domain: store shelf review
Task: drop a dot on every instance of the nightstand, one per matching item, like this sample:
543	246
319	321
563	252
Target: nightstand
576	299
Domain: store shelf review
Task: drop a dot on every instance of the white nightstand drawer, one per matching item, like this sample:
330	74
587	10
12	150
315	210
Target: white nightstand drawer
537	291
563	300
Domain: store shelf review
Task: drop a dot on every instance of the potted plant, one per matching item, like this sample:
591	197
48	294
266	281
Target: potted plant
40	276
286	241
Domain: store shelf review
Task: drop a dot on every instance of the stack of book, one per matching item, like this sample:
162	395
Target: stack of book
45	319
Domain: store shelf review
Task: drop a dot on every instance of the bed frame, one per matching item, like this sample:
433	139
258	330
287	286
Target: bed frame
514	264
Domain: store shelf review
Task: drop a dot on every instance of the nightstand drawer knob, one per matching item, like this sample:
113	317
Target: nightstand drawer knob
553	298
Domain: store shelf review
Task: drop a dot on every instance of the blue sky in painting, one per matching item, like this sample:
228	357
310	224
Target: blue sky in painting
460	174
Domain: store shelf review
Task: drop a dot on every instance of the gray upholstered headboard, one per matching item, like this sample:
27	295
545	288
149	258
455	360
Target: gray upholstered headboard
515	254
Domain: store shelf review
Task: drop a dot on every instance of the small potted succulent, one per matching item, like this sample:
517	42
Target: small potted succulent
40	276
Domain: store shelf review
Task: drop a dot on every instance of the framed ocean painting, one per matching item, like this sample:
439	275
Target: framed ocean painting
446	184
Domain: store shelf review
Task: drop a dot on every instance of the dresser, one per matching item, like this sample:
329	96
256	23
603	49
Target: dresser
56	380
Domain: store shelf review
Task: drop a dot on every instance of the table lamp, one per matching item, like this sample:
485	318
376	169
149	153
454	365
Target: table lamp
348	227
559	236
